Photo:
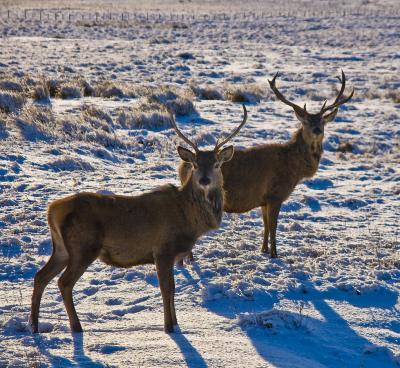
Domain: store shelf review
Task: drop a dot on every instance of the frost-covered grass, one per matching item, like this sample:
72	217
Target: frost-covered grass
329	300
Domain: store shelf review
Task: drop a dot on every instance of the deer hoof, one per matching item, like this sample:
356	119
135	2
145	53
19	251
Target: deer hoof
169	329
77	329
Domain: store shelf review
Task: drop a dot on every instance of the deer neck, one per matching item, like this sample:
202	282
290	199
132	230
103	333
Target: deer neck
203	208
307	151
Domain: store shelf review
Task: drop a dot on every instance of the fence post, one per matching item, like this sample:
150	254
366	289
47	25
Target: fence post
8	14
69	16
96	17
40	15
25	13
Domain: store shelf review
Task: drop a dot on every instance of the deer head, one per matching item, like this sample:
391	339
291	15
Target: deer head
314	124
206	164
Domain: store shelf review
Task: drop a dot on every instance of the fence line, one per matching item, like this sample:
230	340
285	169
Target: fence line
35	14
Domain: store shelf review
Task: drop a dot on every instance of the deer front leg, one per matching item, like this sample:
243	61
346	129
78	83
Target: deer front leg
75	269
273	212
165	274
264	213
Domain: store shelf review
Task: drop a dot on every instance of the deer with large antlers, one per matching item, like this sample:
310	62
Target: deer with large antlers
265	176
159	227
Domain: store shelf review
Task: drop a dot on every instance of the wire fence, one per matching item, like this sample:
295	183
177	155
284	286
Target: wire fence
38	14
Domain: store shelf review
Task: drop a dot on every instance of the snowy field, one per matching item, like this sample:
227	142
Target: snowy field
84	108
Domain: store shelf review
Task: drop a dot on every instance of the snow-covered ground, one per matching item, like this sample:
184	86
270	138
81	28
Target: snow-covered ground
331	299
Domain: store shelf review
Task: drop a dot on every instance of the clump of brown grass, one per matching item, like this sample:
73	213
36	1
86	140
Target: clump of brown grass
205	93
345	147
10	101
69	90
394	95
10	85
246	93
52	86
40	92
107	89
95	112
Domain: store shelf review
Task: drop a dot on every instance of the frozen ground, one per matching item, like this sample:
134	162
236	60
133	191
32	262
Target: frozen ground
331	299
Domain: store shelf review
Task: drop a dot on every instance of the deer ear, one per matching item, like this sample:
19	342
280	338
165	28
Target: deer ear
301	118
328	118
185	154
226	154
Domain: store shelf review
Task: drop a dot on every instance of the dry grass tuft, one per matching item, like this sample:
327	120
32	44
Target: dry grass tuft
10	85
40	93
246	93
10	101
52	86
205	93
345	147
95	112
69	90
145	120
107	89
394	95
33	123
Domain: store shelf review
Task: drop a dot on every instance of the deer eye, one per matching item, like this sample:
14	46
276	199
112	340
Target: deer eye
195	166
216	166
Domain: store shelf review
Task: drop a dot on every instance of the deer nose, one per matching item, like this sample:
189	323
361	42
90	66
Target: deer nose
317	131
204	181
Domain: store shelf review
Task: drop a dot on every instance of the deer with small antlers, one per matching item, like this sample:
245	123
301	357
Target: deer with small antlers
159	228
265	176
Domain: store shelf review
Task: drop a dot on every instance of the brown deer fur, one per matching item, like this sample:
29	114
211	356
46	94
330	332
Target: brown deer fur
159	227
266	175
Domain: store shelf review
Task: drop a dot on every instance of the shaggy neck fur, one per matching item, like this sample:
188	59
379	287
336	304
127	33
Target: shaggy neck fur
206	205
307	155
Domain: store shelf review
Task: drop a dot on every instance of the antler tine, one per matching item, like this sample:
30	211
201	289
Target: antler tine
296	108
337	101
178	132
219	145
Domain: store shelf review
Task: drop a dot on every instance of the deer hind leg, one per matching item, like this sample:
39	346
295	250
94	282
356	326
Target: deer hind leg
57	262
273	213
172	302
165	274
75	269
190	258
264	212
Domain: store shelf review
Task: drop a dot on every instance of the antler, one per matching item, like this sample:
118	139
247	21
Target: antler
296	108
171	114
337	103
219	145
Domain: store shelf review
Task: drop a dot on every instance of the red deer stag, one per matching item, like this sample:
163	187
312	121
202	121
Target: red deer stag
159	227
265	176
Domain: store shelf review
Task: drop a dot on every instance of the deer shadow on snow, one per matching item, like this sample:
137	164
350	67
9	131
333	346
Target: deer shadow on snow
327	341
